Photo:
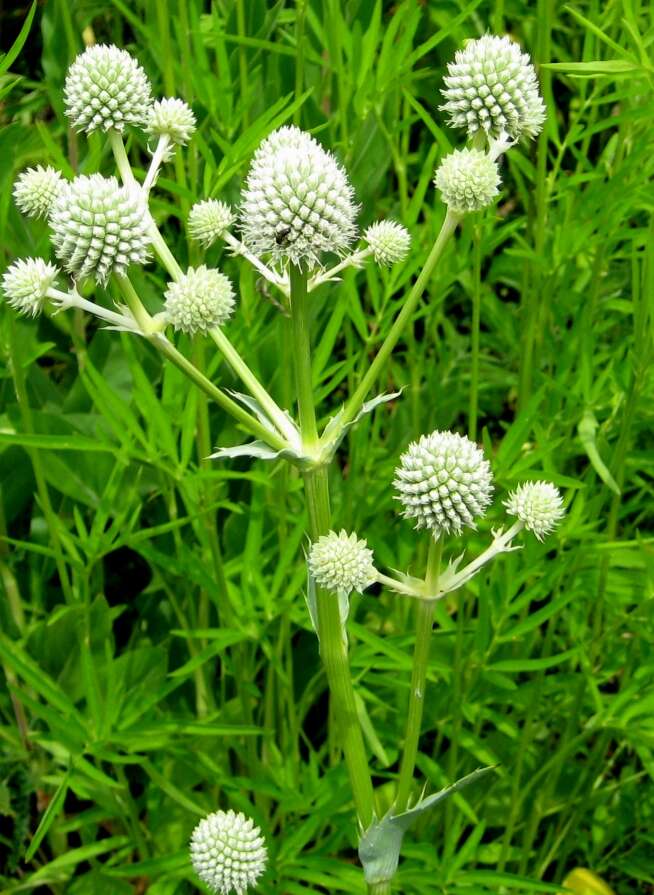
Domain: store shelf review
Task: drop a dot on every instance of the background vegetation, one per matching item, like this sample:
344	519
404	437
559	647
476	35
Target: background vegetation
132	706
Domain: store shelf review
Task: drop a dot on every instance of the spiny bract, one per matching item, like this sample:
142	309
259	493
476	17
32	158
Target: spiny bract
298	201
173	118
208	220
228	852
36	189
538	505
26	284
342	563
201	299
468	180
389	242
443	482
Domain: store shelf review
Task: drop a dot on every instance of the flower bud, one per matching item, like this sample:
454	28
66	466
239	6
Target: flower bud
538	505
36	189
26	284
443	482
202	299
389	242
208	221
342	563
171	117
468	180
228	852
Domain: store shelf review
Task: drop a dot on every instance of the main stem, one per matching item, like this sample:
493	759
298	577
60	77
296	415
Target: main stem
424	621
316	486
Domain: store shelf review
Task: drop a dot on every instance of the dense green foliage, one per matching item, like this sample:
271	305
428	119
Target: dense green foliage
155	641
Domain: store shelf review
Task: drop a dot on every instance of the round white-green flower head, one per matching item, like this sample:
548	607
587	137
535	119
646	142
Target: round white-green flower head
106	89
228	852
298	202
36	189
443	482
200	300
468	180
538	505
99	227
173	118
208	220
342	563
492	87
26	283
389	242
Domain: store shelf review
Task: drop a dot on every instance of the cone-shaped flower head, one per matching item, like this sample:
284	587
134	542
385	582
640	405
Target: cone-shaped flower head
26	283
342	563
172	117
298	201
106	89
443	482
389	242
99	227
538	504
468	180
201	299
228	852
208	220
36	189
491	86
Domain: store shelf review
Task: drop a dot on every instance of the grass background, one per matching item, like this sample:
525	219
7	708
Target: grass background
155	641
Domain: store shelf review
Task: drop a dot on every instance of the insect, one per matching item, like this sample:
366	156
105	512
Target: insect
281	234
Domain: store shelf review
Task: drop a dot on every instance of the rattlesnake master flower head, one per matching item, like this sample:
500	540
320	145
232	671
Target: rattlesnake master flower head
228	852
538	505
99	227
298	201
342	563
389	242
491	87
171	117
208	221
26	283
106	89
443	482
200	300
36	189
468	180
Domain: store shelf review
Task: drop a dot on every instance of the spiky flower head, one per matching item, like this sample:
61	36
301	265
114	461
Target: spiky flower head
201	299
468	180
492	87
171	117
443	482
538	505
26	283
208	221
35	190
99	227
298	201
228	852
389	242
106	89
342	563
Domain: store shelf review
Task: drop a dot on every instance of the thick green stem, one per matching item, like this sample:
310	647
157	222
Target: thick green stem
476	322
424	622
383	888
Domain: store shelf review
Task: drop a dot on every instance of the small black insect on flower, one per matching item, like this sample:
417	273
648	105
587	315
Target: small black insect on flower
281	234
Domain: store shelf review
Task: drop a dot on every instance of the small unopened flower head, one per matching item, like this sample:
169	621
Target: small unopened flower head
172	117
492	87
26	283
298	201
35	190
228	852
208	221
443	482
468	180
106	89
202	299
538	504
389	242
99	227
342	563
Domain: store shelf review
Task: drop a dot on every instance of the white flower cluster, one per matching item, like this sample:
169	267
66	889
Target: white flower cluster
342	563
36	189
200	300
208	221
172	118
538	505
228	852
26	282
468	180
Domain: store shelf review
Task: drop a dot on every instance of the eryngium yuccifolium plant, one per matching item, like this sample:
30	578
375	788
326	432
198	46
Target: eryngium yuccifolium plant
443	482
99	227
208	221
491	86
26	283
468	180
228	852
298	201
106	89
36	189
389	242
171	117
538	505
200	300
342	563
